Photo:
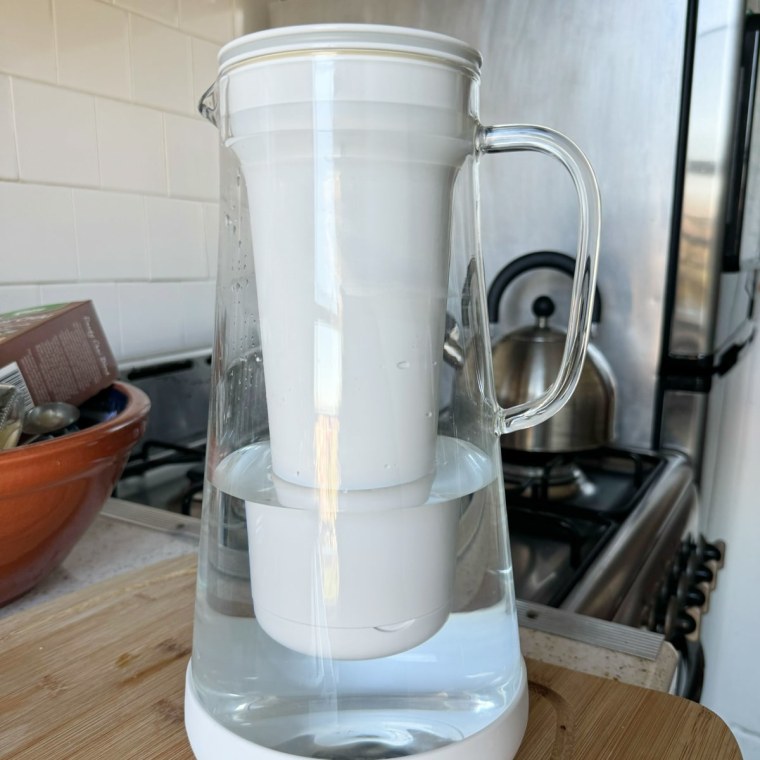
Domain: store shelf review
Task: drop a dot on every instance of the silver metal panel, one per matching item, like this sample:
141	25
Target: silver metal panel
684	414
609	75
650	535
708	154
599	633
575	67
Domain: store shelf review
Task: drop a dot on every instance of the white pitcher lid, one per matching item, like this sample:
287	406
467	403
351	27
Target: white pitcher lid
315	37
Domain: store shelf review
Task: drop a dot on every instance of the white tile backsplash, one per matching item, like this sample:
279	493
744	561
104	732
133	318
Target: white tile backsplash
205	67
8	160
14	297
111	235
210	19
55	130
93	47
192	157
211	230
37	233
108	176
151	318
104	297
27	39
161	66
176	243
197	313
160	10
131	146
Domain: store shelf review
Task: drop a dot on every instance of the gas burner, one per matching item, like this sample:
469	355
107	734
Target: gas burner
554	481
163	474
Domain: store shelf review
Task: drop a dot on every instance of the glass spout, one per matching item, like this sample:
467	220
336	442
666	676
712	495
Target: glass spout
208	105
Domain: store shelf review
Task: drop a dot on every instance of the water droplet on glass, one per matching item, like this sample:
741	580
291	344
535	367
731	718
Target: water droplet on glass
429	414
387	466
403	365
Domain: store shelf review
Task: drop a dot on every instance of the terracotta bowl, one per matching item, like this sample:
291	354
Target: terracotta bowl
51	491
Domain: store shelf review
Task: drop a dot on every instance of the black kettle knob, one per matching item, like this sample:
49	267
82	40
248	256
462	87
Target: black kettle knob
543	307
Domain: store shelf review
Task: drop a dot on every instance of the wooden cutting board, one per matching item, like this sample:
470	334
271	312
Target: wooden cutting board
99	675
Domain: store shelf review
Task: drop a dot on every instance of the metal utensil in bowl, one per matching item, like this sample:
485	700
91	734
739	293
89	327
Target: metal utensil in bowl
48	418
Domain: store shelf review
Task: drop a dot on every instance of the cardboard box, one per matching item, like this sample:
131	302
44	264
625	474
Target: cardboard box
55	353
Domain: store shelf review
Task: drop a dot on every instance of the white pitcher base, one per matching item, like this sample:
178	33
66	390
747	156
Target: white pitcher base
210	740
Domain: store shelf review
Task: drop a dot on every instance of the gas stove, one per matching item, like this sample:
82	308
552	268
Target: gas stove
609	533
595	533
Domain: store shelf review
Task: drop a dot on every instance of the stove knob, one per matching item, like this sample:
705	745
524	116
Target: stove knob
697	572
678	622
689	595
708	552
712	555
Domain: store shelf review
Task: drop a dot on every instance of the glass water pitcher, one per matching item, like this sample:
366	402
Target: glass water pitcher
355	596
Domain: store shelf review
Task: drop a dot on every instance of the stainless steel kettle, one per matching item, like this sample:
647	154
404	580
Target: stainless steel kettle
526	360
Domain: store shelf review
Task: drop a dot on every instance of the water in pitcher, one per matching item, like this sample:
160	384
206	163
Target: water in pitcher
379	707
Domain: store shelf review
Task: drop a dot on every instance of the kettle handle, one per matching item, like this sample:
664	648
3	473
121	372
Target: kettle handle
509	138
526	263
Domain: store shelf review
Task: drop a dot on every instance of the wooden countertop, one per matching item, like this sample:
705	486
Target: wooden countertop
99	674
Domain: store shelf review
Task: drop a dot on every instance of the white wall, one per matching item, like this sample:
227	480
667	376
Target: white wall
108	176
731	629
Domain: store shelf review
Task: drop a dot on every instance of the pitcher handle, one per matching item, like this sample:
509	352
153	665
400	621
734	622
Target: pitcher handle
515	137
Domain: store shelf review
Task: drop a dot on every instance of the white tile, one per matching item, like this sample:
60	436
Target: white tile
250	16
8	160
27	39
105	299
55	130
151	319
211	19
111	235
176	243
131	147
93	47
161	10
161	69
37	233
205	67
14	297
198	313
211	229
192	155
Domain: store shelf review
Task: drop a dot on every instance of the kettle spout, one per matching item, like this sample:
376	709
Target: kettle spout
208	105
